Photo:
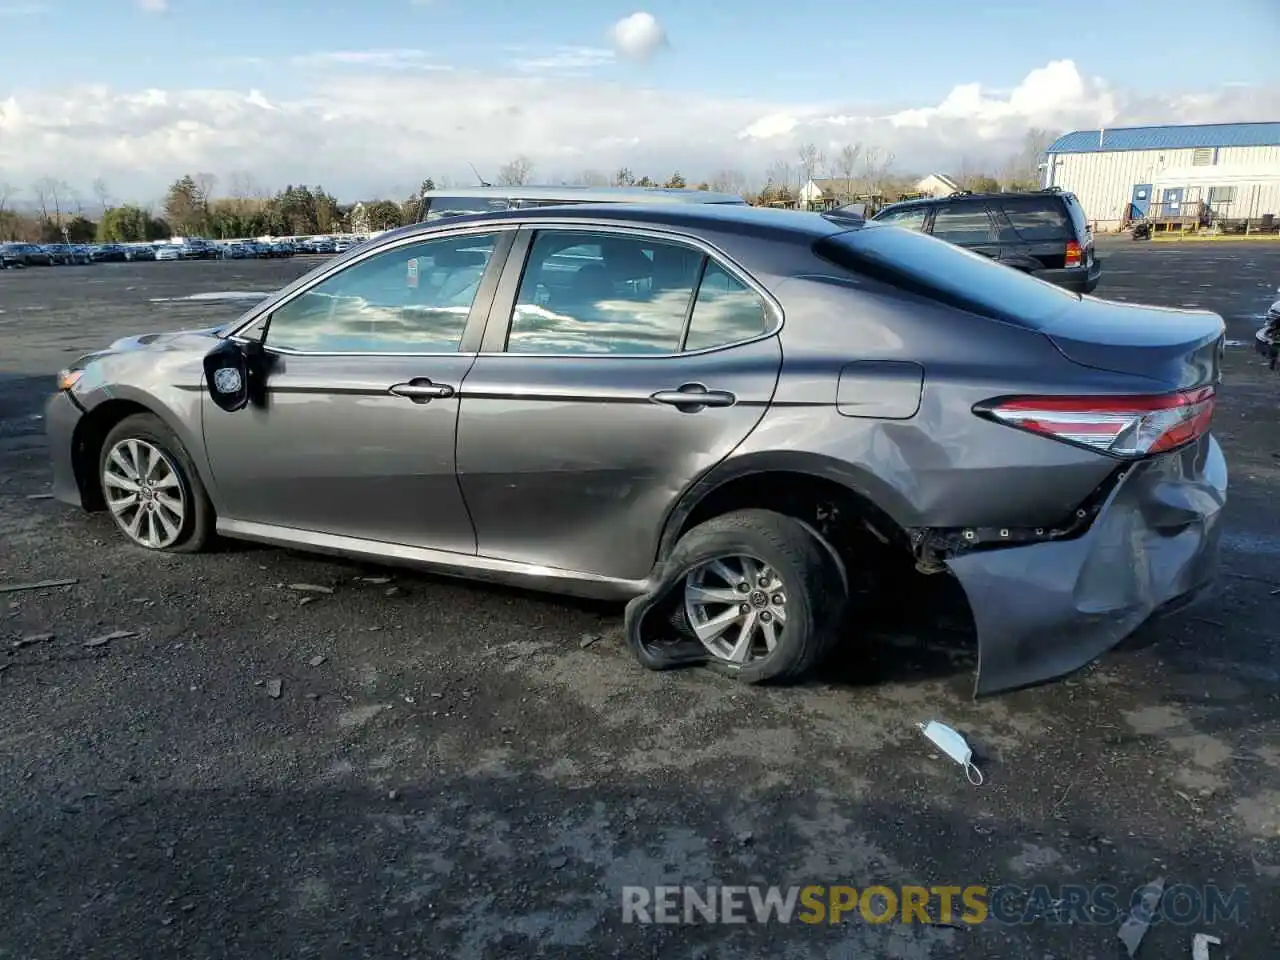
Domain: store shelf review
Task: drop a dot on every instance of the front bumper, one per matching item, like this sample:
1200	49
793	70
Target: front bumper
1046	610
61	416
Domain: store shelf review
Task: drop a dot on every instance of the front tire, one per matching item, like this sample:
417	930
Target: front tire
761	592
152	489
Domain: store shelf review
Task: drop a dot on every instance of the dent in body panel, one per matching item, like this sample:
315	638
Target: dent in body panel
1046	610
567	462
945	466
166	379
880	389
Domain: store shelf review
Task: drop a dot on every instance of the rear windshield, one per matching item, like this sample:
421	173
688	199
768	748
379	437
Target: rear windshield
934	269
1036	219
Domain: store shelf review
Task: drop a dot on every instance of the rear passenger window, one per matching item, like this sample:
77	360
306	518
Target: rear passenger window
906	219
1034	220
726	311
962	223
602	293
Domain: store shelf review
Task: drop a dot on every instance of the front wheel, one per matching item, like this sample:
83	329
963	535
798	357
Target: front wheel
761	593
152	488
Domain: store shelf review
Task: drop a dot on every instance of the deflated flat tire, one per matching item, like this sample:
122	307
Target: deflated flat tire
756	595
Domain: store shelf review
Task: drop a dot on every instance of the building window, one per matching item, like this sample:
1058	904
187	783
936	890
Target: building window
1222	194
1203	157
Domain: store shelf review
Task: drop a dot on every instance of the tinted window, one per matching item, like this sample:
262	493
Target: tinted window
911	218
412	299
962	223
726	311
920	265
1034	219
440	207
1078	219
602	293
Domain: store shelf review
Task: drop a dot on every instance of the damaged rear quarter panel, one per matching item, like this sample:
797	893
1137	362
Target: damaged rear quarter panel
943	466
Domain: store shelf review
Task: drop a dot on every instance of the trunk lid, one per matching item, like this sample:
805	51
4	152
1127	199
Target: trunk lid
1178	349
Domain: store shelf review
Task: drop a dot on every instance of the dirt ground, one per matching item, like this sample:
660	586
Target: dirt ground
464	771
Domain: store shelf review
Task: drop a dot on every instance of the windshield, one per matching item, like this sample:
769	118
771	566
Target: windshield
925	266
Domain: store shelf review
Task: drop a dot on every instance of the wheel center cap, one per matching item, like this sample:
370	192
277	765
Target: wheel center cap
759	599
147	493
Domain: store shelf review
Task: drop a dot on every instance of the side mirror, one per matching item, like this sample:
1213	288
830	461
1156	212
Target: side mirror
226	375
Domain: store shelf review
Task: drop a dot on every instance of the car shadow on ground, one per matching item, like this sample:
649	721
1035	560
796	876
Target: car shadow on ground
446	865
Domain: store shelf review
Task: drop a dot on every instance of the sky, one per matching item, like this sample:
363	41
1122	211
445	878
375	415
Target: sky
368	98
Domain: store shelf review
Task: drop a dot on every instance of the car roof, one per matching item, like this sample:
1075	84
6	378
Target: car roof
693	217
964	195
586	194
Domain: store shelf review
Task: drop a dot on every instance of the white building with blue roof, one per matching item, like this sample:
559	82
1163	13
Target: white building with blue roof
1200	171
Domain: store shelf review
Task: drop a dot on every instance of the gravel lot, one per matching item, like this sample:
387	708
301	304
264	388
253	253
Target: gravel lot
469	771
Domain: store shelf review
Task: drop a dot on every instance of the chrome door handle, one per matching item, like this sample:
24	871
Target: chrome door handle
692	397
420	390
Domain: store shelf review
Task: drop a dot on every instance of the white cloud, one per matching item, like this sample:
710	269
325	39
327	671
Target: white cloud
385	120
639	36
153	6
401	59
565	61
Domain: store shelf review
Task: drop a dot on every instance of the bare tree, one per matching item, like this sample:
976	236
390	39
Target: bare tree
594	178
102	194
206	183
809	159
7	192
779	174
516	173
847	164
729	181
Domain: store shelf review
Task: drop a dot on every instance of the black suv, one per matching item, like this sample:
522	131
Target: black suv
1043	233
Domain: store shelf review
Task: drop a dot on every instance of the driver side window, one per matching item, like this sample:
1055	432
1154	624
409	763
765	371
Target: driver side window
410	299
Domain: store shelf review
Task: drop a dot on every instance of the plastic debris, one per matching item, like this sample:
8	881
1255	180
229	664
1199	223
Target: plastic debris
37	585
310	588
108	637
275	688
1138	922
954	746
1200	946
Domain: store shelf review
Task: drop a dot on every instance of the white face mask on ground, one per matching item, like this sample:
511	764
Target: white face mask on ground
954	746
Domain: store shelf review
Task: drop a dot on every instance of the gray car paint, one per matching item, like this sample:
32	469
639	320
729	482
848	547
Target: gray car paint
567	478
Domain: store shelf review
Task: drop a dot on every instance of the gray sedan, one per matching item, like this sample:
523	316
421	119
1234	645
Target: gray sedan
745	423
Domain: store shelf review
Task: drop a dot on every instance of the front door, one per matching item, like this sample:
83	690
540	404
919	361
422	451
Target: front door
1141	202
357	436
617	368
1172	201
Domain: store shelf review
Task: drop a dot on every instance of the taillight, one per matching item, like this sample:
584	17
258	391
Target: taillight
1129	426
1075	254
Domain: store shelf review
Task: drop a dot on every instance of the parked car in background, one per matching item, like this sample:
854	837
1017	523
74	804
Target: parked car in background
11	256
670	404
438	204
59	254
141	251
27	255
1043	233
168	251
108	253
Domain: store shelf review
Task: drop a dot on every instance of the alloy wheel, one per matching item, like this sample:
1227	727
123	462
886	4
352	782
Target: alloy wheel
736	607
143	492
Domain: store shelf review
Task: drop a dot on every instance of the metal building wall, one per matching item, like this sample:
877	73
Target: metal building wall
1104	182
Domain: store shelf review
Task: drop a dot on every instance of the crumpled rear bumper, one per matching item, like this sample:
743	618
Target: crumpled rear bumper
1045	610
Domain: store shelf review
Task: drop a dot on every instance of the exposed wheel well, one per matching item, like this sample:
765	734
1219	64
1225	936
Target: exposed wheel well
87	442
869	542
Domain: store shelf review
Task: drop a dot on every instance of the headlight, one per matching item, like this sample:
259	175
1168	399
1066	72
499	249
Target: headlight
68	378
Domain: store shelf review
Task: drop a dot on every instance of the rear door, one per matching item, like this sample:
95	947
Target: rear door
967	224
617	366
